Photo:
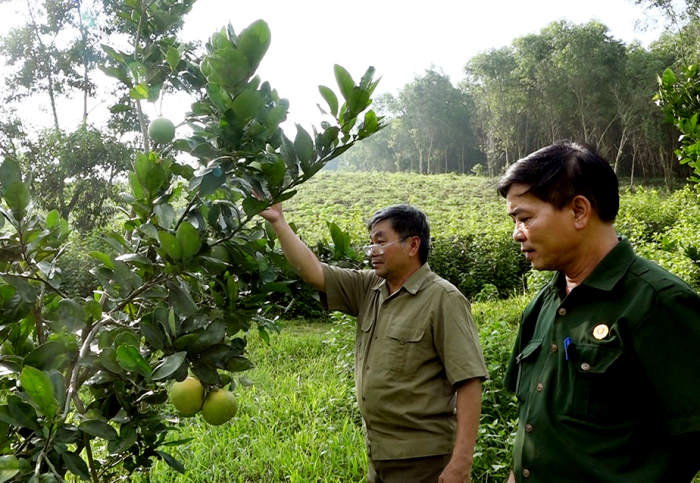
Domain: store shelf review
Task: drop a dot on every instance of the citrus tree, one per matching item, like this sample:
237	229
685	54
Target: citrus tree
84	382
679	97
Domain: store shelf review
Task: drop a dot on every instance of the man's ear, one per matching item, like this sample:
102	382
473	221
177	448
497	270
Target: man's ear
414	246
582	210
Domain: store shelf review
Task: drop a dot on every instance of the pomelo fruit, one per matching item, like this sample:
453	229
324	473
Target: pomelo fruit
187	396
219	406
161	130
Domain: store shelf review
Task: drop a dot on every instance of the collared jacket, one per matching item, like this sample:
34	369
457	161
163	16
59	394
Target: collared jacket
608	377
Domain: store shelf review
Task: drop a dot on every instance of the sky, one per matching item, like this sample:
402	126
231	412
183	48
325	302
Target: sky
401	39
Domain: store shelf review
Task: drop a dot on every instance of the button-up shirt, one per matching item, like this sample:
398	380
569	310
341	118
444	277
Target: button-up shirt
607	376
412	348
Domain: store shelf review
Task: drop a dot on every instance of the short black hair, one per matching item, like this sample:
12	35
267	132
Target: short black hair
560	172
406	220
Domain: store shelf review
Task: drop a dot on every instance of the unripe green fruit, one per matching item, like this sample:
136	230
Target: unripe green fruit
220	253
219	407
28	345
187	396
161	130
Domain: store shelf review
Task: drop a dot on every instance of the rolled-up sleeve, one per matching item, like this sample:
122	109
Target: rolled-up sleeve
346	289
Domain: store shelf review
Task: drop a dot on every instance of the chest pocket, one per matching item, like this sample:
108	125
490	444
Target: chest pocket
601	391
526	366
404	348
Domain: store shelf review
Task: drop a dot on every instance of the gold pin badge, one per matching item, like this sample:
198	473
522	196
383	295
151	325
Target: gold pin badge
600	331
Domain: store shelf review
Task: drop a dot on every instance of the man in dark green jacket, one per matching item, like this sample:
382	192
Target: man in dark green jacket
606	364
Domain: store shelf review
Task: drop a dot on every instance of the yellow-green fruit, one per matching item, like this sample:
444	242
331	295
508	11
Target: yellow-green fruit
187	396
219	407
161	130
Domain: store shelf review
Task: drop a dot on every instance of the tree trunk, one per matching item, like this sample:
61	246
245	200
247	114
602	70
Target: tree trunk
462	158
430	149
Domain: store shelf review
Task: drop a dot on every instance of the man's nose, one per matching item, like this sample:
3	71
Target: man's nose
518	234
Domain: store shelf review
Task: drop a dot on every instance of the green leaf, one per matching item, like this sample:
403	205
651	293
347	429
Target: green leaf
101	429
246	106
17	197
131	360
172	462
139	92
341	241
23	413
170	244
76	465
344	80
169	365
216	95
252	206
52	219
172	57
10	172
330	98
276	115
189	239
126	439
668	78
303	145
40	388
181	301
9	467
26	291
71	315
50	355
254	42
166	215
104	258
239	364
211	182
135	185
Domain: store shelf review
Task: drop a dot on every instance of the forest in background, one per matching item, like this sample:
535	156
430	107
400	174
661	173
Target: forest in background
568	81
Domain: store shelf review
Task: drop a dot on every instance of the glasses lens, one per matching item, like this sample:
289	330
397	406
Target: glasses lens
369	249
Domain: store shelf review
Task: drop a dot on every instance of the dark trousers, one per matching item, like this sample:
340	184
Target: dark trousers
414	470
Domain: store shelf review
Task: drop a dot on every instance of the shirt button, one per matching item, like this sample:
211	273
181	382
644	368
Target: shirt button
375	337
363	398
540	386
367	368
561	311
553	348
528	428
526	472
585	366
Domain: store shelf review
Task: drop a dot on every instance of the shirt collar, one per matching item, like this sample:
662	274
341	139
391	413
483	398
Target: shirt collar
607	273
612	268
414	282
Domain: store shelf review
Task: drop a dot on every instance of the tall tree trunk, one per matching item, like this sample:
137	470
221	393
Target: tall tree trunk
430	149
83	34
634	158
623	141
462	158
45	59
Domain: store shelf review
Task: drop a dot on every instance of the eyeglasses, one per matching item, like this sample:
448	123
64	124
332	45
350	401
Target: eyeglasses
379	249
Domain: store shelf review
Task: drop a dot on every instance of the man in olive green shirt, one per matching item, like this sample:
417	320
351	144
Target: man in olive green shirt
416	351
605	365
